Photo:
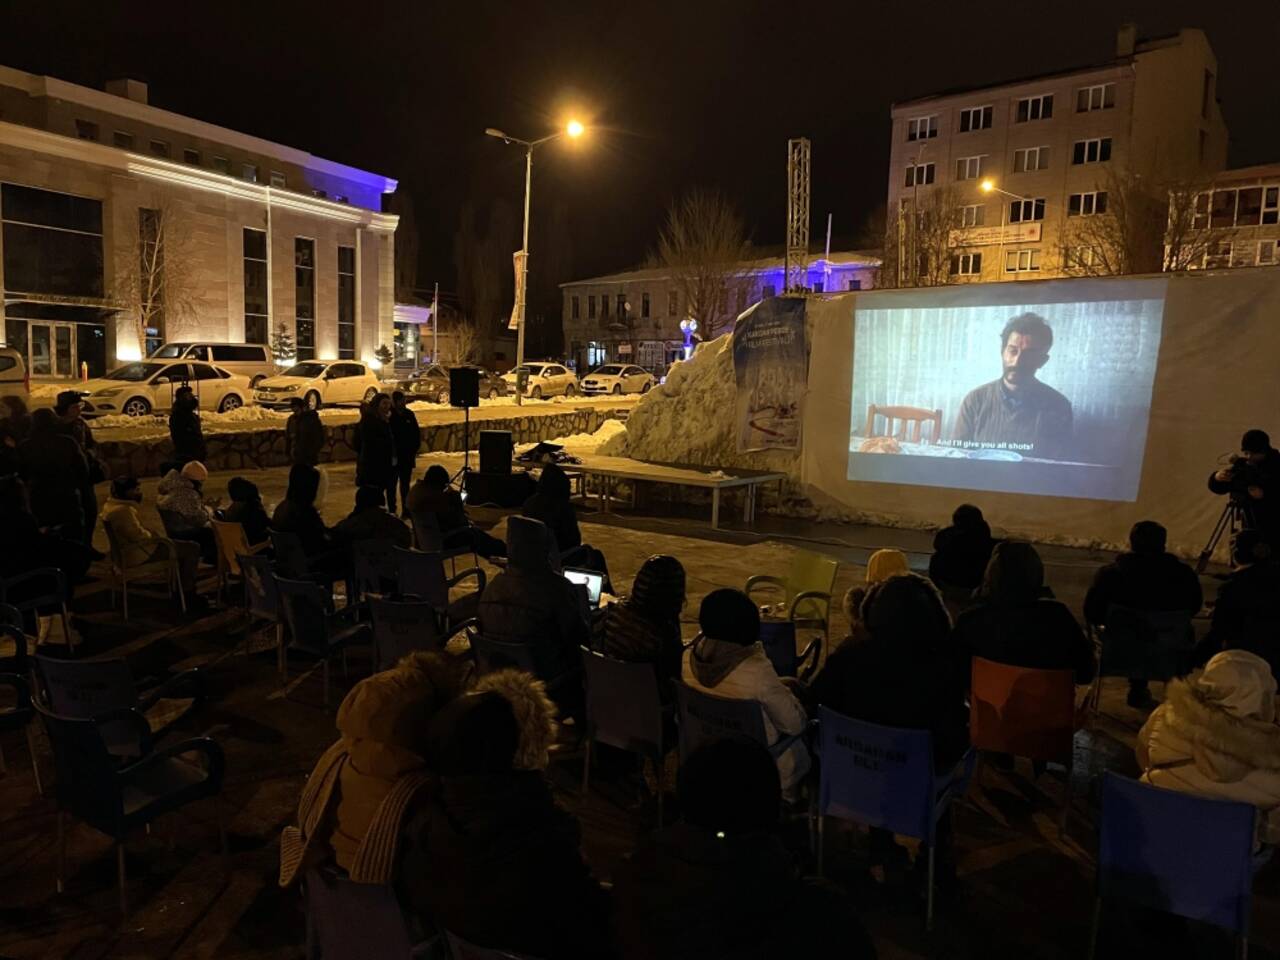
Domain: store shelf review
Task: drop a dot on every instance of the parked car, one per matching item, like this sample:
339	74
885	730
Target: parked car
148	386
618	378
252	360
432	384
319	383
545	380
14	381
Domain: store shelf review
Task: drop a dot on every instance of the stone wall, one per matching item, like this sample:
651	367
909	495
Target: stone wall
256	449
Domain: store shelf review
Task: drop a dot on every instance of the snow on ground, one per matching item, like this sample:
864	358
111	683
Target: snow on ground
580	444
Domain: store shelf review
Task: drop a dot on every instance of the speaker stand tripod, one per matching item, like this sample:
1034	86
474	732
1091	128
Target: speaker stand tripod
460	478
1233	518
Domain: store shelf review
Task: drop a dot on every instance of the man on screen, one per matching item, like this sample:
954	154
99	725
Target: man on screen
1018	412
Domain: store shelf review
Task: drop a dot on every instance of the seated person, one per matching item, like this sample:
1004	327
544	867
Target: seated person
530	602
728	660
881	565
247	510
721	884
138	545
297	514
645	626
1014	623
383	725
1216	736
492	858
904	674
1147	578
961	551
181	495
370	521
1248	605
433	503
552	505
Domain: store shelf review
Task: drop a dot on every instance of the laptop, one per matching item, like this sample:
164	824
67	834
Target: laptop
594	582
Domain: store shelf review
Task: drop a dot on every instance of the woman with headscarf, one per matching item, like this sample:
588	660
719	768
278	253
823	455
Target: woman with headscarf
1015	623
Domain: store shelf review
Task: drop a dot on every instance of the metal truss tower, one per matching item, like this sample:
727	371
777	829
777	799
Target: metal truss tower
798	190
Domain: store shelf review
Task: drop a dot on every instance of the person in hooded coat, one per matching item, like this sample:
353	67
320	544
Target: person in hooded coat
728	660
246	509
180	494
1216	735
303	434
961	551
1014	623
297	513
57	476
645	626
185	431
492	858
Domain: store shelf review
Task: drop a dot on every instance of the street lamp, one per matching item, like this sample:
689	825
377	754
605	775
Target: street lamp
989	186
573	129
688	326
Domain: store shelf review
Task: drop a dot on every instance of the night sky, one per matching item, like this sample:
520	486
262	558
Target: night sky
681	94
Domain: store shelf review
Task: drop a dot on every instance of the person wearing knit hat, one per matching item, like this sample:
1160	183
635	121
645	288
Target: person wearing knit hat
180	500
645	626
195	471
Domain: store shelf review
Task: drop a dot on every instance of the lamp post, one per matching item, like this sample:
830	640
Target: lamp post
989	186
573	129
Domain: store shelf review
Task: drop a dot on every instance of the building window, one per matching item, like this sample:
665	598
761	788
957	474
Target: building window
1099	97
591	308
919	174
1266	251
346	303
277	178
975	118
1034	108
222	165
970	168
622	306
971	215
122	140
966	264
575	308
321	194
249	171
1030	158
1091	151
86	130
1271	205
1218	255
768	291
1022	261
922	128
853	285
1082	258
52	242
160	148
644	305
256	321
604	306
673	303
1086	204
1024	211
304	287
191	156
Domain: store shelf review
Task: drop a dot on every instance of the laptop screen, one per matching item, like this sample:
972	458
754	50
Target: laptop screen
594	582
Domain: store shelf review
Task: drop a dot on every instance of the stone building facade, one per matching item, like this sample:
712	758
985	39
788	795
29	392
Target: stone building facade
1240	216
256	236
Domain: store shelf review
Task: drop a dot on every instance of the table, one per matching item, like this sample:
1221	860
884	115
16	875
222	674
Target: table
609	469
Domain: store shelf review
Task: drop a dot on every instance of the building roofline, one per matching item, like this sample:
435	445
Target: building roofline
839	258
37	85
1257	171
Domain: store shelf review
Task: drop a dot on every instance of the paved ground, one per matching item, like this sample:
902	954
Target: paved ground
1025	890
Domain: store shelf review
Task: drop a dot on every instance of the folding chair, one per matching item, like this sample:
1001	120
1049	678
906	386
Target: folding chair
1143	645
491	655
1025	712
884	777
624	709
1186	855
38	590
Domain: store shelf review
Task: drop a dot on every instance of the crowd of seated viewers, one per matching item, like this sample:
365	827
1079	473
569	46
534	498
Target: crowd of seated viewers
451	765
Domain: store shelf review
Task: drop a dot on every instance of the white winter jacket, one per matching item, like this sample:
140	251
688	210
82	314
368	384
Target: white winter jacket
736	672
1216	735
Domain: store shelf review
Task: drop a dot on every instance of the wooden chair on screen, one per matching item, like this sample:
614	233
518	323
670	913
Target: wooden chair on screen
910	423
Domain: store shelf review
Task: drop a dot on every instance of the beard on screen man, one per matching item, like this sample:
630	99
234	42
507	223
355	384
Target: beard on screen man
1019	411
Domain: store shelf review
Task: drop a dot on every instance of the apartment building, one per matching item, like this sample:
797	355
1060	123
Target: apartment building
635	316
125	225
1044	146
1237	222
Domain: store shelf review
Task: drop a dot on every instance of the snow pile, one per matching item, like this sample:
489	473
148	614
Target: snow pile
587	443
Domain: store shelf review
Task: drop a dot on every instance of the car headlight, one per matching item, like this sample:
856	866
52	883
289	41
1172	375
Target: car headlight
289	388
108	393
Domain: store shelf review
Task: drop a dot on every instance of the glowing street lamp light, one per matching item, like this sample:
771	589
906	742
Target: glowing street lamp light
573	129
688	326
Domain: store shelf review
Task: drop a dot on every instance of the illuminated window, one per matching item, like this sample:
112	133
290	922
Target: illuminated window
1034	108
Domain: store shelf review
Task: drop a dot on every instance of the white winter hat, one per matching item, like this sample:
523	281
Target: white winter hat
195	470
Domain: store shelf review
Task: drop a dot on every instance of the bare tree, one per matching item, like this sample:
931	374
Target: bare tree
919	241
465	339
703	245
155	282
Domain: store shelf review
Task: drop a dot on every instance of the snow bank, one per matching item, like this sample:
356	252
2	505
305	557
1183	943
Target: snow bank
587	443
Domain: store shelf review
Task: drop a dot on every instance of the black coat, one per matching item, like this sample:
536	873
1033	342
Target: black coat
305	523
1040	634
406	435
251	515
304	437
960	556
186	433
1247	613
372	523
375	451
559	516
1148	582
57	478
1265	513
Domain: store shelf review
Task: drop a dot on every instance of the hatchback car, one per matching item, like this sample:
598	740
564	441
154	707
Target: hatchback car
617	378
544	380
319	383
432	384
147	386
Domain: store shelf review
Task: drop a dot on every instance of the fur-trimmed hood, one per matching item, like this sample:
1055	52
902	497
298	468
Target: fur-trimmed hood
1226	713
534	713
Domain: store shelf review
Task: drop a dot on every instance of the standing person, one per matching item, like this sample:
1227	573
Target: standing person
376	449
1148	579
69	407
57	476
184	427
303	434
1253	481
408	441
139	545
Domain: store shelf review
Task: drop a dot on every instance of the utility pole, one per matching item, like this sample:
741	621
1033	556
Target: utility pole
435	324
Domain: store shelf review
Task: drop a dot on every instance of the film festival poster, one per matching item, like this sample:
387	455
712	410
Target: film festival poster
770	369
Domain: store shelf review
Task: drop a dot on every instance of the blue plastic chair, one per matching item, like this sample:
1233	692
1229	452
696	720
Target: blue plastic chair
884	777
1186	855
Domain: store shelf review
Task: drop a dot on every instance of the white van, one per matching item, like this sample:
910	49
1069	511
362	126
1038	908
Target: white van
252	360
13	375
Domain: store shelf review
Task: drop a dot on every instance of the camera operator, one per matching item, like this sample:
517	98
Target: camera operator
1253	481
